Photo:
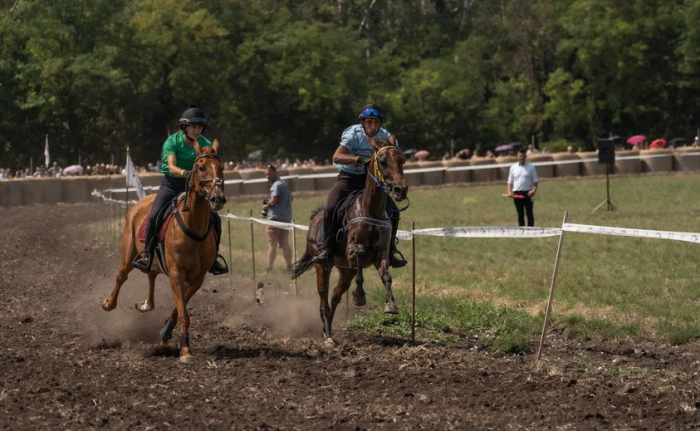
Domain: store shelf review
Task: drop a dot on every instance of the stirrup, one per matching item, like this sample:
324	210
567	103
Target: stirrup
218	268
396	259
143	261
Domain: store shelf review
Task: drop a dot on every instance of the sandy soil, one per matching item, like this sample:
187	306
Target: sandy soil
67	364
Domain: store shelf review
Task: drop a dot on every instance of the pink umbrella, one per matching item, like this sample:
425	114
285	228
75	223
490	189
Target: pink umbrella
73	170
636	139
421	155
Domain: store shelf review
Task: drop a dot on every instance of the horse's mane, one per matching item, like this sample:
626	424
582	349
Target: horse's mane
316	211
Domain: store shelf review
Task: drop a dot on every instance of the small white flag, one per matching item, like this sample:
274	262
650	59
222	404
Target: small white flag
132	179
47	159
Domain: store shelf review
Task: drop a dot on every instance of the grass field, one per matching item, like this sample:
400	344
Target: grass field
607	287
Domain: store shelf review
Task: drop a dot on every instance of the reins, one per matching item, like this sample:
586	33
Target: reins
379	180
205	194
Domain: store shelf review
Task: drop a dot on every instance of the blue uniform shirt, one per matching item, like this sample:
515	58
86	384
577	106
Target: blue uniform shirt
357	144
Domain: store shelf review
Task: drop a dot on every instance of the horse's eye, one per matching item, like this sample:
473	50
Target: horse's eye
384	163
202	168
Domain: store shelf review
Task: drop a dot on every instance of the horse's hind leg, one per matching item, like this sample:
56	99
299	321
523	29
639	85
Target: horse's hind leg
358	295
166	333
322	280
149	304
128	252
344	281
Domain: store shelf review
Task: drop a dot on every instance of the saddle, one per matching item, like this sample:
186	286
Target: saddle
162	221
340	220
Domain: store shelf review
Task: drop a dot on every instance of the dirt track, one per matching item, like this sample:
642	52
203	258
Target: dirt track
66	364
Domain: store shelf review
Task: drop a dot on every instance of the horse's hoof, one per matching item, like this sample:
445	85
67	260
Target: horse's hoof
391	309
144	307
329	343
186	359
359	299
106	306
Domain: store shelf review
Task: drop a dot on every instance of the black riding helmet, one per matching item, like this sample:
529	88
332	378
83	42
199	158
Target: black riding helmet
193	115
371	110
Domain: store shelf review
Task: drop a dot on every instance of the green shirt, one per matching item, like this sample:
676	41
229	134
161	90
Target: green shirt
184	154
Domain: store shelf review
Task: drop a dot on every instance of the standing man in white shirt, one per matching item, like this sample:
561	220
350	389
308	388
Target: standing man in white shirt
522	181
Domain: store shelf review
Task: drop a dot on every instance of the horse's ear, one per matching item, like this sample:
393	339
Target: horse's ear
196	147
374	144
215	146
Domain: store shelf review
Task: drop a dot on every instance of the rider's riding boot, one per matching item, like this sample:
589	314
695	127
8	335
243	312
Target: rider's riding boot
218	268
396	259
324	252
143	260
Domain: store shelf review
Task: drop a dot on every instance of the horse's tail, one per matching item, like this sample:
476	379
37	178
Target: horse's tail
301	265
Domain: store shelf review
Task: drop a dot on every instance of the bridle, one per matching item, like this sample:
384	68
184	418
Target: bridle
378	176
201	190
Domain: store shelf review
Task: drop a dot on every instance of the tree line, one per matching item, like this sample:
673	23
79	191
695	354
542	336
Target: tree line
288	76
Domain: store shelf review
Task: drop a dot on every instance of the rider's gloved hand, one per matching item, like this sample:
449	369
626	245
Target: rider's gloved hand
362	161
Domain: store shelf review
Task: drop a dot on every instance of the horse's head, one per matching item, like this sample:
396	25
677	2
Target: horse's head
387	167
208	175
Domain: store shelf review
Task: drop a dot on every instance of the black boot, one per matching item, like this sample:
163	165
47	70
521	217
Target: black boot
396	259
324	252
144	259
218	268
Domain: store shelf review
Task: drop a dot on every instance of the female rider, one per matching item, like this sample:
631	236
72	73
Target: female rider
178	156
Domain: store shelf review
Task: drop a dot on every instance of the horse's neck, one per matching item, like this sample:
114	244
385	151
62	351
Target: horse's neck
373	199
197	218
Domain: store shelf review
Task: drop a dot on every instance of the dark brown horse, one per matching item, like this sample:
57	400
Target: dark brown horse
187	259
367	234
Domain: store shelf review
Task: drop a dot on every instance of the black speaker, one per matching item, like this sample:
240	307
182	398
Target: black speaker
606	151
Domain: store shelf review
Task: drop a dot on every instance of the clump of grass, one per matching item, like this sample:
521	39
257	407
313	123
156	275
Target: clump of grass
450	319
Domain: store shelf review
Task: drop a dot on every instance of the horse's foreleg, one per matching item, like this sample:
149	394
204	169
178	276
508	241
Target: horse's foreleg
344	281
389	303
149	304
179	289
358	295
322	280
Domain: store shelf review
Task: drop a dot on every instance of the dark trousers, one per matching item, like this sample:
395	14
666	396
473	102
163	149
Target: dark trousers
522	206
344	185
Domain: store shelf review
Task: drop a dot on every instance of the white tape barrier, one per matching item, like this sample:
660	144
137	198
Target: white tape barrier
636	233
489	232
486	231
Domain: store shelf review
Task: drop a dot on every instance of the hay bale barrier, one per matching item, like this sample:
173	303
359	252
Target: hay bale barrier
327	176
686	159
483	172
503	171
658	160
456	176
543	171
435	176
633	165
570	169
590	166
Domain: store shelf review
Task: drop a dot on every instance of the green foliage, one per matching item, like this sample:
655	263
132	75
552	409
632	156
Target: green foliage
287	77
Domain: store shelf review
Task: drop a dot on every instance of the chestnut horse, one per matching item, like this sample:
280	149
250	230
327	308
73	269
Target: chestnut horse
187	259
367	235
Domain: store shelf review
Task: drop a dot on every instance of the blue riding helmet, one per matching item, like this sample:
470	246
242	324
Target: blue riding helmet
371	111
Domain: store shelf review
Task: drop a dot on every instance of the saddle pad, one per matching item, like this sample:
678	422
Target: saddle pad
161	233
